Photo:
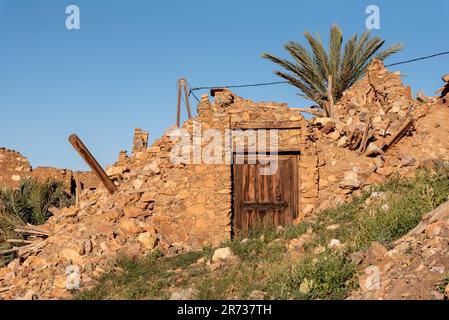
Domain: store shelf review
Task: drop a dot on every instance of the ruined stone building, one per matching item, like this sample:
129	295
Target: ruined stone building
182	192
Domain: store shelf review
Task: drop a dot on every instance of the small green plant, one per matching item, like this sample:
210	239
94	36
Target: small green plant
441	286
31	200
329	275
29	203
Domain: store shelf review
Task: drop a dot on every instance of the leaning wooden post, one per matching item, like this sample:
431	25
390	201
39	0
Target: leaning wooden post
189	114
178	114
93	164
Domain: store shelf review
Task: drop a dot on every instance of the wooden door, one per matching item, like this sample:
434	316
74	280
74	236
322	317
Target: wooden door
265	200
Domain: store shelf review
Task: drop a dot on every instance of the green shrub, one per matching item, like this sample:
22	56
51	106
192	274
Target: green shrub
29	203
329	275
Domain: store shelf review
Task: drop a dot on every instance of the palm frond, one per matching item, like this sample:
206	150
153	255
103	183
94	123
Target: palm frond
310	70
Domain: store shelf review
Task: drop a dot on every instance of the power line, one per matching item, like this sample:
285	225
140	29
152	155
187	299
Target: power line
240	85
418	59
283	82
191	93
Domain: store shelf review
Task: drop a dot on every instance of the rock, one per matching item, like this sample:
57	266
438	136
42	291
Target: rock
333	227
371	280
147	240
428	164
420	96
134	212
224	255
408	161
148	197
334	136
357	257
308	209
214	266
342	142
306	286
335	244
152	168
115	171
376	253
351	181
328	128
88	246
60	282
321	122
201	261
385	171
379	162
257	295
295	247
436	295
185	294
446	291
433	229
129	226
137	184
373	150
376	195
69	254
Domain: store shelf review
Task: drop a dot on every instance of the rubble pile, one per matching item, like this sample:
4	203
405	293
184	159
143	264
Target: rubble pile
373	113
413	268
444	89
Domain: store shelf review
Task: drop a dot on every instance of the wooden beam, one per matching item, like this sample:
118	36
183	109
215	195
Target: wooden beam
178	113
268	150
399	134
365	136
268	125
312	111
92	162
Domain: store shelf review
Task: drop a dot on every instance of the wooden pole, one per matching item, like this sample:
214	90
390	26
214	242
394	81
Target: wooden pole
187	98
182	84
178	115
93	164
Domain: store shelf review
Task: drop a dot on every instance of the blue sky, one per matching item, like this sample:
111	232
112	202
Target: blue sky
119	71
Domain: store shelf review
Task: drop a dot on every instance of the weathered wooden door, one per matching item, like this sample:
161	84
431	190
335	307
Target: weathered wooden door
265	200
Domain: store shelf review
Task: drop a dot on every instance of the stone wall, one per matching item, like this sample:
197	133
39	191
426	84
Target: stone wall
13	166
191	204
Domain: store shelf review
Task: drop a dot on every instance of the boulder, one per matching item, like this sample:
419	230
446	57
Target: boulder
223	255
147	240
185	294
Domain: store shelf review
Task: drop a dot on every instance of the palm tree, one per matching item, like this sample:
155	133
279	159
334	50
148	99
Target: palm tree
322	77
